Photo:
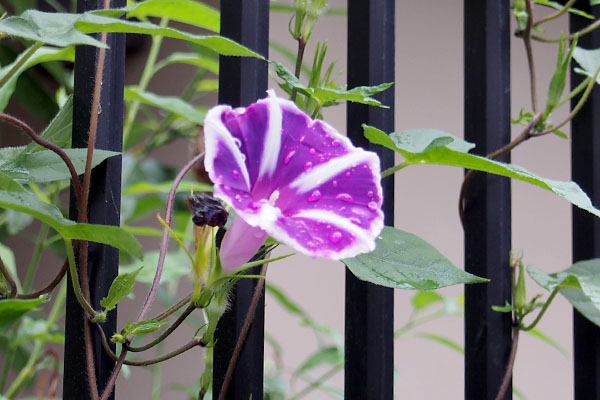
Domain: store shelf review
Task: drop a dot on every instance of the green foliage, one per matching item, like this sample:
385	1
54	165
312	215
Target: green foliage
332	356
559	79
558	6
187	11
45	165
119	289
60	29
327	96
168	103
12	309
58	131
588	60
41	55
402	260
579	284
430	146
111	235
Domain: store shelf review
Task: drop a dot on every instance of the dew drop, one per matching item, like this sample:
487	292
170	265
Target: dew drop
243	156
238	197
348	174
254	205
372	206
314	196
356	221
312	151
308	166
335	143
227	189
322	159
99	109
288	157
335	237
370	193
235	174
334	183
345	197
302	138
238	142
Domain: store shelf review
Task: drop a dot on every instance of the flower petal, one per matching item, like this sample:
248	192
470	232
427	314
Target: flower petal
306	185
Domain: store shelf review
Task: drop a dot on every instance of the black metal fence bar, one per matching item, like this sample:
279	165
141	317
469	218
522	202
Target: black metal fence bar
585	170
487	207
104	203
370	309
241	82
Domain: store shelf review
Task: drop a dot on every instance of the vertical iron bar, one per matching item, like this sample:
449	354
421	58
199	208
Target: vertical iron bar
585	170
242	81
369	341
487	205
104	200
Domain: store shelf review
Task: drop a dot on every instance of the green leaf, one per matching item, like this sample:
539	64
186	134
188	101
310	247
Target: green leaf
360	94
329	356
169	103
442	340
186	11
10	185
506	308
41	55
579	284
165	187
594	3
210	64
588	60
120	288
61	29
59	130
430	146
404	261
50	214
12	309
558	6
142	327
46	165
421	300
559	79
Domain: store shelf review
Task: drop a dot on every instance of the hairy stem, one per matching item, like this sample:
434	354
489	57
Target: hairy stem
50	287
9	279
243	333
173	309
50	146
511	363
299	57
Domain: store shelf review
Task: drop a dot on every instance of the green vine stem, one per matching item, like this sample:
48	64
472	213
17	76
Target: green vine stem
75	280
529	52
190	308
572	36
557	14
30	52
144	80
168	312
542	311
29	369
9	279
50	287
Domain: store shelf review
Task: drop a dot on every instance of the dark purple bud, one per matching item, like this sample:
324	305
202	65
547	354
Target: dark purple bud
206	210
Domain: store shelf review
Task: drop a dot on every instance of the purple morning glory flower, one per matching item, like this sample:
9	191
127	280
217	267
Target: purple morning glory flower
293	178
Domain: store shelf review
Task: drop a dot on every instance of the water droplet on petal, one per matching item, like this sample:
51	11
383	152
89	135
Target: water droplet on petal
356	221
314	196
345	197
372	206
227	189
322	159
335	143
334	183
288	157
335	237
302	138
308	166
243	156
238	197
235	174
312	151
370	193
238	142
348	174
254	205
